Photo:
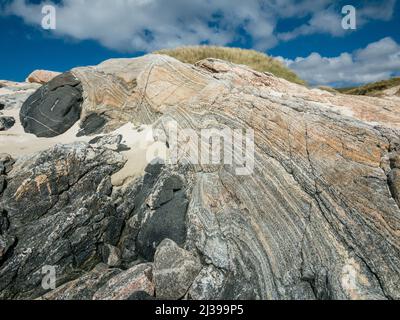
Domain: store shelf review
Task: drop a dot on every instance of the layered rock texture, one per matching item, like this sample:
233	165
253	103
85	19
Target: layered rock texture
316	217
41	76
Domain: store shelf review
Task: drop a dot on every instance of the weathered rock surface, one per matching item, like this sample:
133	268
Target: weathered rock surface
58	211
318	217
41	76
128	283
175	269
13	94
84	287
208	285
6	123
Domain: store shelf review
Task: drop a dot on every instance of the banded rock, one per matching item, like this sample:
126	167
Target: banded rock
317	218
41	76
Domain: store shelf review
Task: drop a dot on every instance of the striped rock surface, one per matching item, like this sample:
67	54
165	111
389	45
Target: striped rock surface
319	206
318	214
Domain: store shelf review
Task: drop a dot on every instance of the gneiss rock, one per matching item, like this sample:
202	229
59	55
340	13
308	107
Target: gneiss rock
111	255
6	163
317	218
41	76
84	287
3	183
394	178
166	217
175	269
158	205
60	215
53	108
6	123
6	242
92	124
208	285
124	285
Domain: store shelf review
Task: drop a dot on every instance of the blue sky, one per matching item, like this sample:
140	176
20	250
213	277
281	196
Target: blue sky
306	35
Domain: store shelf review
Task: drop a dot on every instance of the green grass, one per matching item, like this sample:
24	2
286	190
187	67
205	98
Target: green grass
372	89
255	60
327	88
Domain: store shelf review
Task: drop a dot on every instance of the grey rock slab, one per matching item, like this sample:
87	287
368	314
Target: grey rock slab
128	283
175	269
84	287
6	123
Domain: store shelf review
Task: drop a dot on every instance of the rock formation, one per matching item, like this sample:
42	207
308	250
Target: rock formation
317	217
41	76
54	108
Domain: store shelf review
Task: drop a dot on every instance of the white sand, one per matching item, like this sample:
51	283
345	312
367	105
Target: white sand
143	148
17	142
4	91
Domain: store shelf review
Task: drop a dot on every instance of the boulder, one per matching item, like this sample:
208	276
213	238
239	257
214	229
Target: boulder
126	284
3	183
41	76
6	163
111	255
208	285
53	108
84	287
175	269
6	123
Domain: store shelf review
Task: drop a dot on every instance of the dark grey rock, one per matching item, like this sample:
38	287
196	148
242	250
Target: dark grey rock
53	108
6	243
6	123
168	221
165	212
156	208
175	269
128	283
92	124
111	255
140	296
4	223
84	287
208	285
3	183
6	163
57	216
394	184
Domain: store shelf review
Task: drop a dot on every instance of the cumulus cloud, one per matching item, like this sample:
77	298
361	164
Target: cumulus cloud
329	20
379	60
146	25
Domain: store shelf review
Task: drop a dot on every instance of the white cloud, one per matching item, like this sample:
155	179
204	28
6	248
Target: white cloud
379	60
329	20
326	21
146	25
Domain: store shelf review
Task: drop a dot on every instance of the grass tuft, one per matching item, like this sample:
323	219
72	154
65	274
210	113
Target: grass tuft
255	60
372	89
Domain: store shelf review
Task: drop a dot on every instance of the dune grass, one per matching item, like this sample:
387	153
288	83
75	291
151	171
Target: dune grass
255	60
372	89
